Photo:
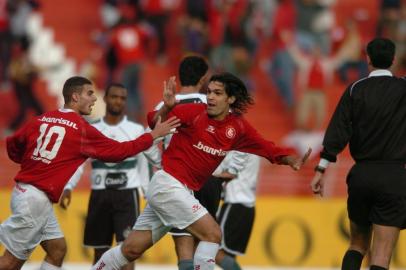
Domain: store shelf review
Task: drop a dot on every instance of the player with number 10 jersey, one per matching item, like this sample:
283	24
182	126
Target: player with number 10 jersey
53	146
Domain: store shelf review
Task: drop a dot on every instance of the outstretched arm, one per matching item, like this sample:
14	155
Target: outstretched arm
252	142
162	129
94	144
296	162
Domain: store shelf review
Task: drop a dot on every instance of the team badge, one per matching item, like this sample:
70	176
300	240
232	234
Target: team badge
230	132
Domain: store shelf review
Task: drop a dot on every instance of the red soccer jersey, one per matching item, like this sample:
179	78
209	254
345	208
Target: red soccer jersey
52	146
128	41
202	143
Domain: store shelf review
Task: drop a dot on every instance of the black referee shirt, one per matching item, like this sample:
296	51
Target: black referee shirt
371	117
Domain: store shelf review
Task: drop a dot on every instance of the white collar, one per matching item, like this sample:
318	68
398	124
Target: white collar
380	72
65	110
119	123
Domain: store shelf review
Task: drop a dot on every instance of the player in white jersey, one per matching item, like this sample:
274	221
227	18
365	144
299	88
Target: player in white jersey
114	199
236	217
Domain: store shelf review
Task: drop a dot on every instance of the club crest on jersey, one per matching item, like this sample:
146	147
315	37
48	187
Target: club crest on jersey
210	129
230	132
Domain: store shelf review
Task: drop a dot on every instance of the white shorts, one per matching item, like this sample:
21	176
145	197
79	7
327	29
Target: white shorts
32	221
170	204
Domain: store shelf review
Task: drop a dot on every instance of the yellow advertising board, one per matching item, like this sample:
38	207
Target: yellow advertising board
287	232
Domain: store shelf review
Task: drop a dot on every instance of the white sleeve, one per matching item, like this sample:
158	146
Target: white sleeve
143	169
154	154
160	104
235	162
75	178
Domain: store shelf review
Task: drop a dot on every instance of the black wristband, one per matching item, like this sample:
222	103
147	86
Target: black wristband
319	169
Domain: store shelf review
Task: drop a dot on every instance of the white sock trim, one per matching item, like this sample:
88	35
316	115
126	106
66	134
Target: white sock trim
119	256
111	259
47	266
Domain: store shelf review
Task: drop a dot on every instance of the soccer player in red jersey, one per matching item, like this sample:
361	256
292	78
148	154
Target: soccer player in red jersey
50	148
206	134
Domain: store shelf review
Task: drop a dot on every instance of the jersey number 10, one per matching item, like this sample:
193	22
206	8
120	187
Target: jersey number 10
42	143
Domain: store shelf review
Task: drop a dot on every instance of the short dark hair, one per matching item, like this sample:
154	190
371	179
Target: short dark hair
118	85
192	69
235	87
381	52
72	85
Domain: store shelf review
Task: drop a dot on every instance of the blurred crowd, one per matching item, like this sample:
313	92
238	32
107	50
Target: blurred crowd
17	71
308	48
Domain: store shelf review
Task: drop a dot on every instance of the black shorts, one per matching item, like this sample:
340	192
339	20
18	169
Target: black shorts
377	194
236	222
209	196
110	212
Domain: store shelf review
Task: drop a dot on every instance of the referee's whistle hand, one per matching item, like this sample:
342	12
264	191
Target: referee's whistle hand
317	184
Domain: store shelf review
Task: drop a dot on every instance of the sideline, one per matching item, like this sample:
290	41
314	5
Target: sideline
73	266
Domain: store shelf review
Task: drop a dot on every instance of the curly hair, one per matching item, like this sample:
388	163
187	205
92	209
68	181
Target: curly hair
235	87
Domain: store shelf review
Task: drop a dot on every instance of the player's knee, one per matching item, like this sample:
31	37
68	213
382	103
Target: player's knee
361	248
359	244
214	234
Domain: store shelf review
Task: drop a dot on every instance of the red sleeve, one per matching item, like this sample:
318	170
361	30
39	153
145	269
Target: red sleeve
16	144
252	142
95	145
186	113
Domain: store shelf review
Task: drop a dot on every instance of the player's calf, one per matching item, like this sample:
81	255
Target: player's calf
56	250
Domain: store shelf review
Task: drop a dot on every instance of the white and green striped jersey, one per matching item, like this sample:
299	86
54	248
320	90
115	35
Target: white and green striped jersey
241	189
130	173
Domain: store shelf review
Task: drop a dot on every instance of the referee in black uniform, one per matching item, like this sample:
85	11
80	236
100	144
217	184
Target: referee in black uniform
371	117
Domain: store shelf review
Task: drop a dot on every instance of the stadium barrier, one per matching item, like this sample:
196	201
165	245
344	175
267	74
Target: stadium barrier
288	231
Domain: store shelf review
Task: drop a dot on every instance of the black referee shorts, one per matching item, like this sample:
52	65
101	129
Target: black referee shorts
110	213
209	196
377	194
